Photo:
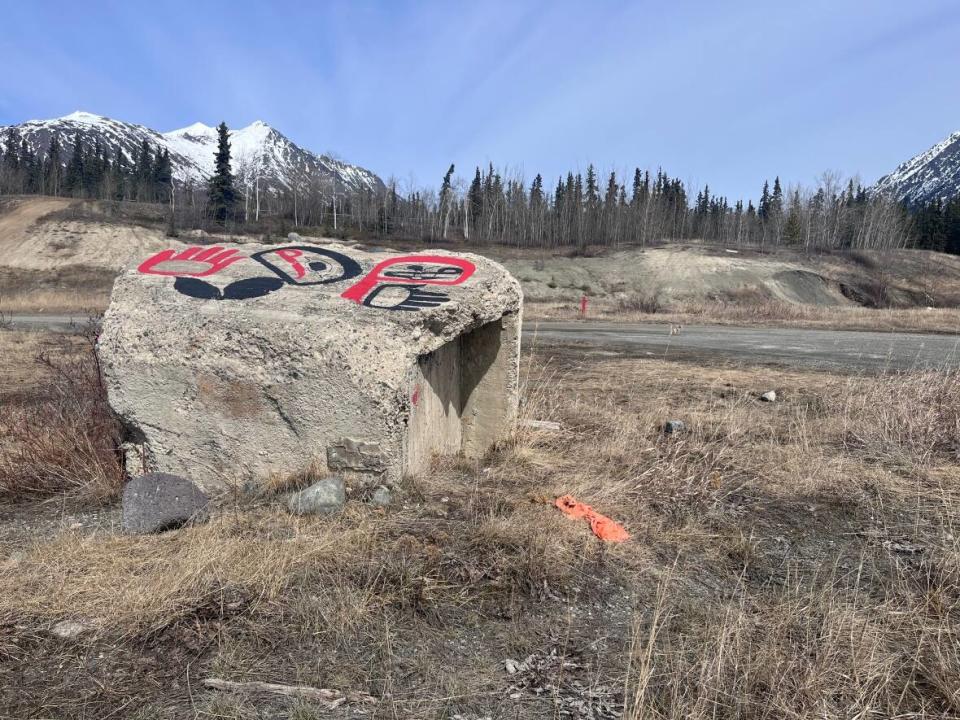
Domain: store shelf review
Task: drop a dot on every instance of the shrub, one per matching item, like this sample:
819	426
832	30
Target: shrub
65	438
640	302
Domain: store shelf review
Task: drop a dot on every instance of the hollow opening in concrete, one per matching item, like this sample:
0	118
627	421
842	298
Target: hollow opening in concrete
461	399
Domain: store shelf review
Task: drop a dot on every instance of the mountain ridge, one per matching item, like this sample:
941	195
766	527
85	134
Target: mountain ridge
260	154
933	174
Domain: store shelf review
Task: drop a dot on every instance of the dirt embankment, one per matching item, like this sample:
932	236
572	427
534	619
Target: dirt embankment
691	273
62	254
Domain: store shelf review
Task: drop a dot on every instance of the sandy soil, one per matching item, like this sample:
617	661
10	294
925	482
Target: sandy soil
30	239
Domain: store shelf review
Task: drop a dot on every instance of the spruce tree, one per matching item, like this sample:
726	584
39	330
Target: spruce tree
475	196
764	208
74	176
536	191
52	170
221	194
776	200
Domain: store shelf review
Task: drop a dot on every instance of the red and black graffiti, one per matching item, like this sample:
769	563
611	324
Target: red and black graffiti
192	262
398	283
394	284
305	265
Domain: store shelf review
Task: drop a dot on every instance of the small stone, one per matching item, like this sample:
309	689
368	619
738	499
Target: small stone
770	396
69	629
510	666
322	498
674	426
156	502
381	497
541	425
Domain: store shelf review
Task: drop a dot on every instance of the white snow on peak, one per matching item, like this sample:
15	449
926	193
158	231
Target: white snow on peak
79	116
257	150
198	143
197	129
931	174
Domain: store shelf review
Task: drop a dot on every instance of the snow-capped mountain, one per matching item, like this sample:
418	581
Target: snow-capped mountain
930	175
257	151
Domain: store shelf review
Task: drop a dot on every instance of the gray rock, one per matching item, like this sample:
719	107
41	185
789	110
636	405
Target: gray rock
69	629
322	498
381	497
157	501
674	426
769	396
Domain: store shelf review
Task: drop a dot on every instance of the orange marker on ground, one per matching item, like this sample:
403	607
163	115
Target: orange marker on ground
602	526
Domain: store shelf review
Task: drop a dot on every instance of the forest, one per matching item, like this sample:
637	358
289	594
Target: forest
579	211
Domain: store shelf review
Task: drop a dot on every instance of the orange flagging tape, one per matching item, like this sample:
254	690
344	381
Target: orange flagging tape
602	526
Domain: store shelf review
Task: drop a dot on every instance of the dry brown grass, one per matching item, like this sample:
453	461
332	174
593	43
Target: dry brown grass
788	560
771	313
60	435
56	301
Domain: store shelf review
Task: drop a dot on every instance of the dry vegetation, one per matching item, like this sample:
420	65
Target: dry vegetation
72	289
58	432
788	560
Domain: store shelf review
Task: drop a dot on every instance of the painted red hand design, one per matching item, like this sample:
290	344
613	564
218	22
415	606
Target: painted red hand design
192	262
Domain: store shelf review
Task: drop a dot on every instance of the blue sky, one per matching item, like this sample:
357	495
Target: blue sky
720	93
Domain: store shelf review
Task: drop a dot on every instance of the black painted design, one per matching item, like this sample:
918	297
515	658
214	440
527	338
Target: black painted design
240	290
425	273
411	297
307	265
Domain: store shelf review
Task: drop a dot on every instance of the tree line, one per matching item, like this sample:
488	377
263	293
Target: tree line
938	225
580	211
85	170
495	206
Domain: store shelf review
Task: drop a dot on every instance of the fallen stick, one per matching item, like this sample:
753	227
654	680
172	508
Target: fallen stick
334	698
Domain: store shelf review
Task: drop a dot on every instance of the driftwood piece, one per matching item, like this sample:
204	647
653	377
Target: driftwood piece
332	698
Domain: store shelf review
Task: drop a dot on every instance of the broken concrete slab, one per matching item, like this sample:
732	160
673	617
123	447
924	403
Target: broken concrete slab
158	501
350	454
231	364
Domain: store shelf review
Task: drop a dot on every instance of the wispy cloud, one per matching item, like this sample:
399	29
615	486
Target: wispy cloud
715	92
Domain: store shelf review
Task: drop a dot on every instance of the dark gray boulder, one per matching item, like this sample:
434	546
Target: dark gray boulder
674	426
156	502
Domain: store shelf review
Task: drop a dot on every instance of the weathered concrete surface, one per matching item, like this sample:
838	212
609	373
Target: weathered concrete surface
251	361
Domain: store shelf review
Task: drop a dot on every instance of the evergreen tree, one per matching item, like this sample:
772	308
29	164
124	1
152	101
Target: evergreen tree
475	197
73	180
593	190
793	229
143	173
162	176
763	210
120	178
536	192
54	167
613	189
221	194
776	200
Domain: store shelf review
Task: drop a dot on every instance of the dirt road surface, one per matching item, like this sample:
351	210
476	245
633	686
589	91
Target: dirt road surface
791	347
827	349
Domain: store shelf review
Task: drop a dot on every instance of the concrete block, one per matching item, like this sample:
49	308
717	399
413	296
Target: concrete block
233	363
